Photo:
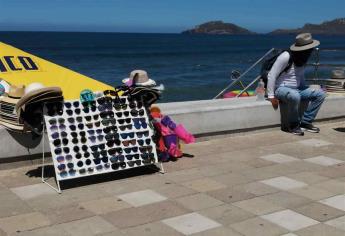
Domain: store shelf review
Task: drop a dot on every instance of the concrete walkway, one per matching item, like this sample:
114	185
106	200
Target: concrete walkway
267	183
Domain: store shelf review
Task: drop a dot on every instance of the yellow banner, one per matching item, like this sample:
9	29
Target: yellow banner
19	67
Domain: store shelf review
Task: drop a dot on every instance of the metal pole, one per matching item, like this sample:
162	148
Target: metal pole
248	86
239	78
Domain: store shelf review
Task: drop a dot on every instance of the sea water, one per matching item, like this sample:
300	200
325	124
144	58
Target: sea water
191	67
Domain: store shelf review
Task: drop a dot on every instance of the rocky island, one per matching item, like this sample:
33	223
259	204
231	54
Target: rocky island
218	27
334	27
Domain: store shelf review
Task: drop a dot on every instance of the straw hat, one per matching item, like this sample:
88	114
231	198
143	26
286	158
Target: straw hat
16	91
338	74
303	42
139	77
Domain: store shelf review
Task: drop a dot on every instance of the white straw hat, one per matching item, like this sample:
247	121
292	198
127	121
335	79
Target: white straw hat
139	77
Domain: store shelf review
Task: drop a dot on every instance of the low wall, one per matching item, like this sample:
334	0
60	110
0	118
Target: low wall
199	117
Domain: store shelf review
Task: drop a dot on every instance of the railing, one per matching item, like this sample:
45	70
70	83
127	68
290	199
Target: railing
316	66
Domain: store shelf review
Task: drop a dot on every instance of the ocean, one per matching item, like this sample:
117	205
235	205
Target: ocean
191	67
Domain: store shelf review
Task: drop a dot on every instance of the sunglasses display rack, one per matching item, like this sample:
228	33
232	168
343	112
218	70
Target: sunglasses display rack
107	135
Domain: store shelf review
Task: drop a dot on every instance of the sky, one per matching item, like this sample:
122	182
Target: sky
162	16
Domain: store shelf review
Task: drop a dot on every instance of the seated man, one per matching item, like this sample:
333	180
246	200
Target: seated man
288	85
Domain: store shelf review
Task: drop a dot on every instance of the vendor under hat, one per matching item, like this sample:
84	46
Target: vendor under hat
139	78
338	74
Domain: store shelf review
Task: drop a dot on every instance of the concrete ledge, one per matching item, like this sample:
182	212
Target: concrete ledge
199	117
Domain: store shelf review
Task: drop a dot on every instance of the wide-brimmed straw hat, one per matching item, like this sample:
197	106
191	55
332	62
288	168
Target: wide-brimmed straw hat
303	42
139	77
338	74
16	91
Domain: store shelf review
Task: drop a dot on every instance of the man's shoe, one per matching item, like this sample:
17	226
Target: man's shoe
310	128
297	131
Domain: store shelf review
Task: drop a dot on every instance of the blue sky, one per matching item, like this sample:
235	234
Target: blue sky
165	16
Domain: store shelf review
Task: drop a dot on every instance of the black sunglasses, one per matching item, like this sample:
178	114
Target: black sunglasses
135	113
124	127
143	133
127	135
107	122
141	142
111	143
122	121
58	142
109	129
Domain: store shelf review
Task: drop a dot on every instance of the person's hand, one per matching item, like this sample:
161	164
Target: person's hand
275	103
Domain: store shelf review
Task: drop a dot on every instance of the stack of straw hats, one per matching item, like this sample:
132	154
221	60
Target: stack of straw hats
336	84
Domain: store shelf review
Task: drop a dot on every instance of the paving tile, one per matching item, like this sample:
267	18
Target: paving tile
257	188
314	142
191	223
204	185
66	213
232	179
89	226
324	161
279	158
172	191
226	214
145	214
311	192
219	231
32	191
258	206
142	198
337	202
260	173
198	201
283	183
319	212
184	175
104	205
55	230
308	177
156	228
290	220
11	204
337	171
289	234
333	186
320	230
230	195
287	200
257	226
121	187
338	223
23	222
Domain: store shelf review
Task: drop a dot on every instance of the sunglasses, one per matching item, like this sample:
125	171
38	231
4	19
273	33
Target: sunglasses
70	111
87	154
104	100
110	92
96	124
127	135
92	108
131	156
135	113
68	157
68	105
76	140
108	129
92	132
89	118
122	121
98	154
57	135
88	162
55	121
124	127
131	149
143	133
120	106
111	143
78	156
60	159
70	165
89	103
107	122
114	151
134	104
126	143
141	142
139	122
58	151
93	139
107	114
55	128
57	142
105	106
94	148
146	149
119	114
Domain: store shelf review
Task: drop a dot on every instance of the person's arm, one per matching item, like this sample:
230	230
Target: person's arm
279	65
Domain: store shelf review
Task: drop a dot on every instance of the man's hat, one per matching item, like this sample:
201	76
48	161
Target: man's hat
303	42
140	78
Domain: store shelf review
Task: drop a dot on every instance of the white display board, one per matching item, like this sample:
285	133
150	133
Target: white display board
107	135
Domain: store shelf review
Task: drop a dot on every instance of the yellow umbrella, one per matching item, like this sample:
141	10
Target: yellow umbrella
19	67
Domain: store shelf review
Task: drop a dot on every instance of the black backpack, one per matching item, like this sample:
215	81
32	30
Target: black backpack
268	64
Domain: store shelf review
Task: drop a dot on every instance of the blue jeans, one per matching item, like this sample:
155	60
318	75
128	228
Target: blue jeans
293	97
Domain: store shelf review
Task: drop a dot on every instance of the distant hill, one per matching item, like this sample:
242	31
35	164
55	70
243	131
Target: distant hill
218	27
334	27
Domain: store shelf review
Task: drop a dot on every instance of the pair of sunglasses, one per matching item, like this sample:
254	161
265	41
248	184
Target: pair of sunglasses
56	135
142	133
120	106
117	158
126	143
132	163
142	142
110	129
72	120
75	104
119	114
146	156
110	92
127	135
89	104
89	118
102	153
103	100
111	143
135	113
139	122
74	127
107	122
92	131
54	109
89	108
122	121
146	149
55	128
94	148
131	156
81	140
124	127
131	149
58	151
93	139
116	166
107	114
76	111
112	136
54	121
58	142
114	151
96	124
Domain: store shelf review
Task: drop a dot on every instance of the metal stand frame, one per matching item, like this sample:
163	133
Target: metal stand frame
44	180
